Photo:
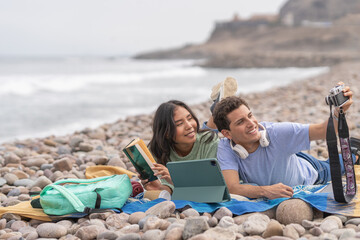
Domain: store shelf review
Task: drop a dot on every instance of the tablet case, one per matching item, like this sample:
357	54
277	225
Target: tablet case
198	181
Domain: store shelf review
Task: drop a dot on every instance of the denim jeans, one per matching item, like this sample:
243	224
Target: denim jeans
322	167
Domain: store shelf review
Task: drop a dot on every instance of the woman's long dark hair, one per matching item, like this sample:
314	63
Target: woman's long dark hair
164	130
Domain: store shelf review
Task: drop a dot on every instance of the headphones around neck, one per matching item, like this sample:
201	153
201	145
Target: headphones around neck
241	151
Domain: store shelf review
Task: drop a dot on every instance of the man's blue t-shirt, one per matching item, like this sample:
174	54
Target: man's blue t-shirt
276	163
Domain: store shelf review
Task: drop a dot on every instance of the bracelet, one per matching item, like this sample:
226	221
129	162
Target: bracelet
333	114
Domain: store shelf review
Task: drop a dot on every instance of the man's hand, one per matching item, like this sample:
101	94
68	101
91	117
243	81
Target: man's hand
247	190
347	93
318	131
278	190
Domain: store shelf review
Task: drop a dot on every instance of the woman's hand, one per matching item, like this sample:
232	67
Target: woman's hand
163	171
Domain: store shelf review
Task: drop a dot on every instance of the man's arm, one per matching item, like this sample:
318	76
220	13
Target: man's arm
318	131
272	191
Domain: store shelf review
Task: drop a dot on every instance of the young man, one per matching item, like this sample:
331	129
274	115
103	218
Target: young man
268	155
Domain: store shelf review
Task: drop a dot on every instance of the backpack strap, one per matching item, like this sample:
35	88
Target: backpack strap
72	198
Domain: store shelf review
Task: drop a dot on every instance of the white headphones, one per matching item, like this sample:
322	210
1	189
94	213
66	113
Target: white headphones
241	151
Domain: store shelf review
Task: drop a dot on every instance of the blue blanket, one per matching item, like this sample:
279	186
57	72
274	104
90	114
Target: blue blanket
310	194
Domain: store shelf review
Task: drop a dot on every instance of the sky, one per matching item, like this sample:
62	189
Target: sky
114	27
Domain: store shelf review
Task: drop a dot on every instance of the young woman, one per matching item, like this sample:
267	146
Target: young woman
177	137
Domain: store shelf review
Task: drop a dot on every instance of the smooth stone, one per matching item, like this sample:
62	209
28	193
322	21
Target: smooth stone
20	174
41	182
11	216
134	228
101	215
174	233
331	223
226	221
316	231
152	222
46	166
201	236
219	233
88	232
116	161
213	221
300	229
116	221
154	234
273	228
97	222
342	218
108	235
194	226
63	150
24	183
11	236
307	224
51	230
75	141
344	233
66	223
2	181
290	232
12	202
11	157
162	210
242	218
31	235
256	224
355	221
50	142
130	236
135	217
143	220
85	147
37	162
222	212
63	164
15	226
10	178
14	192
191	213
293	211
325	236
276	238
2	223
27	229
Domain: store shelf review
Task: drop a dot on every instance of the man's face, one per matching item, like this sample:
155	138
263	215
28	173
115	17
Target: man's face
244	128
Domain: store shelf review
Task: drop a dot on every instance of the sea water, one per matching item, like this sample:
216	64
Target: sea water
57	96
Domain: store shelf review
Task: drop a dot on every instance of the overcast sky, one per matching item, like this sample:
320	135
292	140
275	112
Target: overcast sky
114	27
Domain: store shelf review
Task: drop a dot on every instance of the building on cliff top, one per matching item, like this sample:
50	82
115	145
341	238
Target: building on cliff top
316	13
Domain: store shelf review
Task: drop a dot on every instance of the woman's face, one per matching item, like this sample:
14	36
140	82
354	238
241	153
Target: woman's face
185	127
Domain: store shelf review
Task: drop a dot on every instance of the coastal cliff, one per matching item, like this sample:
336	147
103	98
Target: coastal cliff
303	34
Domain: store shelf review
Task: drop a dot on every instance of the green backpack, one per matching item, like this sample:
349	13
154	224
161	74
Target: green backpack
85	195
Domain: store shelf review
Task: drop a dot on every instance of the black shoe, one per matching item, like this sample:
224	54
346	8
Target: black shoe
355	147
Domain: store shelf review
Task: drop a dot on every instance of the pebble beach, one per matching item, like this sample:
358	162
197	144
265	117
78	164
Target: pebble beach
29	165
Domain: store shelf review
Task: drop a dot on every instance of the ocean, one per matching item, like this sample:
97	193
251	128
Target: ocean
57	96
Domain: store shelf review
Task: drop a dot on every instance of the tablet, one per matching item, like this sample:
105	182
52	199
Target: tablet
198	181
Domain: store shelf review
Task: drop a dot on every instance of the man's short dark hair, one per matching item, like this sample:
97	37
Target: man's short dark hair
223	108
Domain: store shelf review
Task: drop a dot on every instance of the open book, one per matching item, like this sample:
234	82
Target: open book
141	158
